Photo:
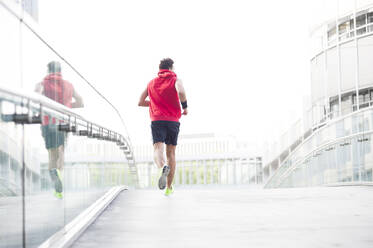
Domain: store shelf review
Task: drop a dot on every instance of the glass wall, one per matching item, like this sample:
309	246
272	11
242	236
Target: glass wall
338	153
58	154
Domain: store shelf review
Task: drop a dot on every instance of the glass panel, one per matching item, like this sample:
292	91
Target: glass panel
48	177
346	28
332	70
370	17
43	151
44	167
348	66
358	152
361	20
347	105
332	33
65	173
318	78
11	202
361	31
365	61
367	159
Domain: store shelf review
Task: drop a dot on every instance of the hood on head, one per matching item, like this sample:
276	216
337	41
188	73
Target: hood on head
166	73
54	77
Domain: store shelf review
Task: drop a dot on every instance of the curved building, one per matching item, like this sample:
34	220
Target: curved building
333	144
341	67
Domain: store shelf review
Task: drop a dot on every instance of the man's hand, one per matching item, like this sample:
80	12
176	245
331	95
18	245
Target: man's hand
185	111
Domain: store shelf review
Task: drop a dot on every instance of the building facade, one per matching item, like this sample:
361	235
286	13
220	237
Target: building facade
332	143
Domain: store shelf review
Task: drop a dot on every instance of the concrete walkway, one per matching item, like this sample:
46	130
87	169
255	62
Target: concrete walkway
311	217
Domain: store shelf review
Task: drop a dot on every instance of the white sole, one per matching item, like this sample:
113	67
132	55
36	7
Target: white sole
163	179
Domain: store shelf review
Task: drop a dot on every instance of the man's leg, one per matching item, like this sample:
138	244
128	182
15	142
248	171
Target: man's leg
53	166
159	154
61	157
171	162
160	162
52	152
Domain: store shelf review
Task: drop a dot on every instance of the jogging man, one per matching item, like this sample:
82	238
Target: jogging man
165	92
56	88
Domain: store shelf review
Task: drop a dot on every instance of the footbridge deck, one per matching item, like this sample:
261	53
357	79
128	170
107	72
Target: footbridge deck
236	217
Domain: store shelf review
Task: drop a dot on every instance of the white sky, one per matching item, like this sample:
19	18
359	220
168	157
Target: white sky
245	64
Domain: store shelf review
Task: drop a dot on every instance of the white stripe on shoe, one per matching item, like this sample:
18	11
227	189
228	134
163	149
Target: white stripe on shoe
163	179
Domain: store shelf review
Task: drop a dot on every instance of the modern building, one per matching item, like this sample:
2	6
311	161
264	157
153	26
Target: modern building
332	144
204	159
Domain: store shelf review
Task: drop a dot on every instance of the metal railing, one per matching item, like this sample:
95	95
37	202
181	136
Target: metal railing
315	132
324	120
31	109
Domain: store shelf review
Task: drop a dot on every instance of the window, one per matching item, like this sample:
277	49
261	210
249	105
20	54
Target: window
370	17
361	20
331	34
361	31
346	28
346	104
364	99
352	24
332	31
343	27
334	108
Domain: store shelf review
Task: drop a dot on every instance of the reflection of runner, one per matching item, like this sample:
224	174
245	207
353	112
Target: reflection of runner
56	88
165	93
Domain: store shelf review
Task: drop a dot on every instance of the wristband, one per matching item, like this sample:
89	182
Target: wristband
184	104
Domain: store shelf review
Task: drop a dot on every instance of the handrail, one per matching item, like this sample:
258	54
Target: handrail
329	123
325	120
45	102
333	142
37	106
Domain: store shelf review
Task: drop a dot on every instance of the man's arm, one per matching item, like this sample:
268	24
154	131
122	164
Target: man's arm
142	101
39	88
78	100
182	95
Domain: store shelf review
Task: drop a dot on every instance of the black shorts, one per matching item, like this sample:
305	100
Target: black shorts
52	137
165	132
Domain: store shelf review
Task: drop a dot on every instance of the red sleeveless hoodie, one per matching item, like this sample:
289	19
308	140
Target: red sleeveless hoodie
59	90
164	99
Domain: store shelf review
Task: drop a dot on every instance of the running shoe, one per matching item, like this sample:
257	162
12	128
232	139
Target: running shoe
56	179
169	191
58	195
163	179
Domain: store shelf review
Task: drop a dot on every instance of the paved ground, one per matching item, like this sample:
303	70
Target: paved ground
314	217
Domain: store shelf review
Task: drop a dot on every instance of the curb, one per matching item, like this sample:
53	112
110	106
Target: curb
71	232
